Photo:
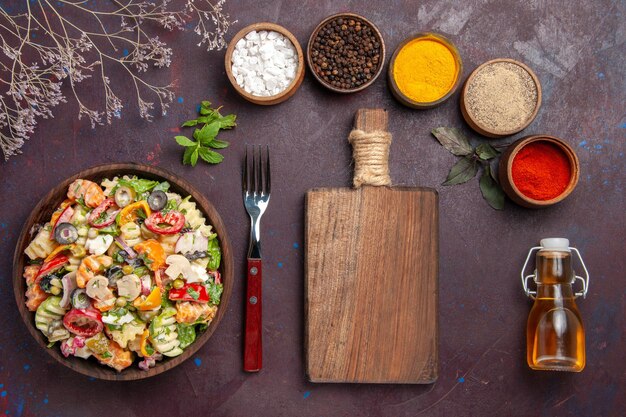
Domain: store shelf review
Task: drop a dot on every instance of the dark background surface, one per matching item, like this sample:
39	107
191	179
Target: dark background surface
576	49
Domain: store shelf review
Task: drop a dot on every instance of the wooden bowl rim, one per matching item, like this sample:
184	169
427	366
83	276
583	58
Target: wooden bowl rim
565	147
381	62
482	129
417	104
283	95
44	209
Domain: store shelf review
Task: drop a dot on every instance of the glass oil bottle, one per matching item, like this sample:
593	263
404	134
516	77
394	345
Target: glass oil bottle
555	335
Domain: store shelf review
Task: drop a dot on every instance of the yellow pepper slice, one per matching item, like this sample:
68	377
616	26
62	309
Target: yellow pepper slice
129	213
154	253
151	302
58	250
144	341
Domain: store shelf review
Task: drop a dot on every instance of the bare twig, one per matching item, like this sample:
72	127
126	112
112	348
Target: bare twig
46	46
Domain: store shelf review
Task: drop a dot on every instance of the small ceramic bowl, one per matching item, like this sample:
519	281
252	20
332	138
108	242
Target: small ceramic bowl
265	100
404	99
381	60
506	167
481	127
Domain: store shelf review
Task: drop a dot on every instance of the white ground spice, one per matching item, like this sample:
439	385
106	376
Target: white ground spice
501	97
264	63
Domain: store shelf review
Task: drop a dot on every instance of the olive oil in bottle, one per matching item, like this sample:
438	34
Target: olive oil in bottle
555	332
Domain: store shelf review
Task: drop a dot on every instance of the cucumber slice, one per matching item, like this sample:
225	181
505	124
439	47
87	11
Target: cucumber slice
174	352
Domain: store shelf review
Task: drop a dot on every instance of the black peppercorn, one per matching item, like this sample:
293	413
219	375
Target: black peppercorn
345	53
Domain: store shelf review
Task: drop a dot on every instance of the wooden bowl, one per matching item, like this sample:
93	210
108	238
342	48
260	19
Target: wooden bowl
506	177
262	100
42	213
484	130
381	61
407	101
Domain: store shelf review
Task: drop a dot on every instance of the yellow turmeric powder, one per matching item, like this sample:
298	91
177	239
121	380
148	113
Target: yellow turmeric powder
425	69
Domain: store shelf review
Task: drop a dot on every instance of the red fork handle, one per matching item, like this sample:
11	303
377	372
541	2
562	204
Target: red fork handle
253	348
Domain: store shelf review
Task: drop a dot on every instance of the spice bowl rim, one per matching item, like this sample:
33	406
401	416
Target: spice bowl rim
381	62
283	95
404	99
506	171
474	124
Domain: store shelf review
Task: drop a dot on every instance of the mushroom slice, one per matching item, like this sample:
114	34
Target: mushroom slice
98	288
129	286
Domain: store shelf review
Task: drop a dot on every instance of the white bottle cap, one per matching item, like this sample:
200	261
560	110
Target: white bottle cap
555	243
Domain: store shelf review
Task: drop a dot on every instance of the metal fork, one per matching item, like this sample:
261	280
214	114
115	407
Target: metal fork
256	196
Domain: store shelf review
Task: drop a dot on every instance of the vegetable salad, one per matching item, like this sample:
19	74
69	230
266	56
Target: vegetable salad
124	269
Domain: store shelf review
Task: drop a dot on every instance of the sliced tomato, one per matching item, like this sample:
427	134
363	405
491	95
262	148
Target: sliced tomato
165	224
86	323
103	215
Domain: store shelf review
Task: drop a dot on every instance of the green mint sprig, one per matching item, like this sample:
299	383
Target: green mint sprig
204	138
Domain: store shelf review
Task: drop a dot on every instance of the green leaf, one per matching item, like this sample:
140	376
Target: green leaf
163	186
453	140
186	334
219	144
490	190
140	185
228	121
190	123
194	156
205	111
196	132
206	104
215	292
210	156
486	152
187	156
184	141
208	133
215	255
464	170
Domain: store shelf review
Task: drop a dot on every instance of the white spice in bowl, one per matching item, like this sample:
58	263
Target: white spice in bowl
264	63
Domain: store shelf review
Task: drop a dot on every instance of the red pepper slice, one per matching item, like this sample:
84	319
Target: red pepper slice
64	217
86	323
167	224
190	292
52	265
102	216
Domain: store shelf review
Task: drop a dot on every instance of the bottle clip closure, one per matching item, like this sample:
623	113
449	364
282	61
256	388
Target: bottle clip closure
530	293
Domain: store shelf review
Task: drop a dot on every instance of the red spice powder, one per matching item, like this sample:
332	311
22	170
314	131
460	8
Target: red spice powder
541	170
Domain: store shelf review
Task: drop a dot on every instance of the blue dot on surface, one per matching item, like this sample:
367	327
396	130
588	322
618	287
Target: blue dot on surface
296	246
198	107
306	394
91	378
197	361
600	75
623	125
461	380
3	394
280	264
180	99
582	143
26	367
1	385
125	52
45	401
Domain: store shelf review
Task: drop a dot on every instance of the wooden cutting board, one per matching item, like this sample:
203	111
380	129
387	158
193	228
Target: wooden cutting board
371	281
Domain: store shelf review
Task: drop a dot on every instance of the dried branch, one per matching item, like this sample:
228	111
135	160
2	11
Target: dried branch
64	41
